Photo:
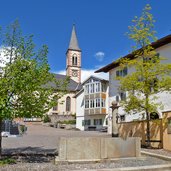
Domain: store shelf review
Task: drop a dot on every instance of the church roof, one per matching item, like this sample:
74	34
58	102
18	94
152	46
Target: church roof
74	41
72	86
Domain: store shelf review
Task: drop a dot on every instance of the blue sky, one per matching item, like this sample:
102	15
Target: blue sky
100	24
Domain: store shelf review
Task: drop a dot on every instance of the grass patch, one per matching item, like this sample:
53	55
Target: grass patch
7	161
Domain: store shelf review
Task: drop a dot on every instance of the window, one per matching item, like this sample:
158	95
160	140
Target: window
97	103
152	59
122	118
122	72
55	108
91	88
117	98
103	87
86	103
169	126
102	102
87	122
97	121
74	59
87	89
123	96
68	104
97	87
92	103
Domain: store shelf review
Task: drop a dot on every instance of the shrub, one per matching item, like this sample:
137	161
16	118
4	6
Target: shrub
46	119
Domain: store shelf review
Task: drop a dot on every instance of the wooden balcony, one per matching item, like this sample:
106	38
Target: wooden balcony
95	111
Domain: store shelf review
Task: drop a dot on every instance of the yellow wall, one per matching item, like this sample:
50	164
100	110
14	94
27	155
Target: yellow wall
138	129
166	136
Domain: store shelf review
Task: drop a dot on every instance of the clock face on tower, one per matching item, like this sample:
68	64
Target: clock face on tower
74	73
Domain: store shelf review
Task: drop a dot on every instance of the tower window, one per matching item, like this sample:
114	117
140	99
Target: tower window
74	59
68	104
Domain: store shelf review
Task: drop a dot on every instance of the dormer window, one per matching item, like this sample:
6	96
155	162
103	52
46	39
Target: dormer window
74	60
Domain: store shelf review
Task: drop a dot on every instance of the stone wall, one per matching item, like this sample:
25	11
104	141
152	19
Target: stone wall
97	148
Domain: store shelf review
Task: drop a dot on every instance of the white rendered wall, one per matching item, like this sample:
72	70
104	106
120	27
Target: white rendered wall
164	98
80	111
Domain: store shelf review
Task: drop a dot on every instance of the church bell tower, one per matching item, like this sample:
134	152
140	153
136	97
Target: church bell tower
73	58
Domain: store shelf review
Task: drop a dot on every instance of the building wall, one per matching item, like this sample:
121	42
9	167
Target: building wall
166	134
62	105
91	113
159	130
70	67
80	111
138	129
164	51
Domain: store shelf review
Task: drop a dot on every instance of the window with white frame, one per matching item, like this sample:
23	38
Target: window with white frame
87	122
103	87
123	96
122	72
94	87
97	121
103	102
97	102
86	103
92	103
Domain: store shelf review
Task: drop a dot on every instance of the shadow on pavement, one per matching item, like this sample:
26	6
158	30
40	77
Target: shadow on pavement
31	154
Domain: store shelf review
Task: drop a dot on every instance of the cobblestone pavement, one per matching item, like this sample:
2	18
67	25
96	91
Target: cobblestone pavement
41	139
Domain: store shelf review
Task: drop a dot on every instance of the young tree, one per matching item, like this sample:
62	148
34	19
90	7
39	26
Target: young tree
150	74
25	81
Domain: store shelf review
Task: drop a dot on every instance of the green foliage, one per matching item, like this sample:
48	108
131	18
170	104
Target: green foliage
5	161
26	83
46	119
27	88
72	122
150	74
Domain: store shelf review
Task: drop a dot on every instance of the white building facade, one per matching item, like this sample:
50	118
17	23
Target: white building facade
163	48
92	104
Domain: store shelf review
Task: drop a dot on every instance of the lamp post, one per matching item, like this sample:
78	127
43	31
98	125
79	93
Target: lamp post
114	107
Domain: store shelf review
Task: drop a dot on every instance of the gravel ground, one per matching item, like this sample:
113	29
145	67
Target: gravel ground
23	165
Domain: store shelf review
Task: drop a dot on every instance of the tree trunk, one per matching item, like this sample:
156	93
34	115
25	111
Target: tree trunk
148	129
0	137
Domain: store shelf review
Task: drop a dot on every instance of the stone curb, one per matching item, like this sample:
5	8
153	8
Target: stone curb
140	168
156	155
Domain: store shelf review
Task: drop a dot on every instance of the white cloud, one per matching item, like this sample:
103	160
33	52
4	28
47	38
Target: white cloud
100	56
85	73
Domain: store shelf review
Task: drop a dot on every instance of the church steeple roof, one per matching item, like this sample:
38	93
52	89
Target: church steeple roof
73	41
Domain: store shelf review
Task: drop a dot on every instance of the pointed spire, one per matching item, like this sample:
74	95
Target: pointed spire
73	41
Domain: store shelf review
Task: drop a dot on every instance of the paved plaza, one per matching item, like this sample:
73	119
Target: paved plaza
42	139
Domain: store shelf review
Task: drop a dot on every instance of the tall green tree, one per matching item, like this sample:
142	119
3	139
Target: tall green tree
150	74
25	81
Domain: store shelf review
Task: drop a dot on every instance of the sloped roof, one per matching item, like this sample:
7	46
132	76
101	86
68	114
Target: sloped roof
74	41
94	77
161	42
72	86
